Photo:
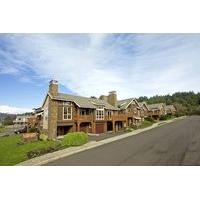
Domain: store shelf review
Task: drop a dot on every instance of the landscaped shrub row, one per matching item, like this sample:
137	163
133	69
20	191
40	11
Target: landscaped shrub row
144	124
39	152
166	117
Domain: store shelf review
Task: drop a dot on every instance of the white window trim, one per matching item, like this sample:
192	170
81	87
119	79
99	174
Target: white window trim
97	115
67	113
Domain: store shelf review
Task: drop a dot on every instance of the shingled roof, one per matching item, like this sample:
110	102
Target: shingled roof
84	102
171	107
123	104
156	106
141	104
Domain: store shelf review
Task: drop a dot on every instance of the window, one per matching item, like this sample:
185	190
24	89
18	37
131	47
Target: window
67	112
85	112
100	114
109	113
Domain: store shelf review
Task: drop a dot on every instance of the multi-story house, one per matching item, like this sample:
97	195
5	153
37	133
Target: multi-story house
21	120
63	113
157	110
131	110
144	112
170	109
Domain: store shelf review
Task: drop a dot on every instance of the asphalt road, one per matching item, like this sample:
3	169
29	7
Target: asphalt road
177	143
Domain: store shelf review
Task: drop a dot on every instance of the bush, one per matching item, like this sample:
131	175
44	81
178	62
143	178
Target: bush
43	137
150	119
166	117
129	129
145	124
40	152
33	130
2	128
75	139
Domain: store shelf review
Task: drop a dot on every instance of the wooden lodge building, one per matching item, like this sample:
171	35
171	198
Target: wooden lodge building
63	113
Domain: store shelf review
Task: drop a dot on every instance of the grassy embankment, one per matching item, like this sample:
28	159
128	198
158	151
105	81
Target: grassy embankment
13	150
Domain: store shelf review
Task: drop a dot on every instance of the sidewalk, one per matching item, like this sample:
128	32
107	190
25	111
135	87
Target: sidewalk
92	144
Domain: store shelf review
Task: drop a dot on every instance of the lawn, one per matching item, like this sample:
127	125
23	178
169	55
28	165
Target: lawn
13	151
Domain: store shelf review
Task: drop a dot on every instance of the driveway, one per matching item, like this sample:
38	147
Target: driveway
177	143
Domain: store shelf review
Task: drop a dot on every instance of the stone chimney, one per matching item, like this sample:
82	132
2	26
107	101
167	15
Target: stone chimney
53	87
112	98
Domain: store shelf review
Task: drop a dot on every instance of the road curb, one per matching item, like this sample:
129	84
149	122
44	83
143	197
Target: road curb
44	159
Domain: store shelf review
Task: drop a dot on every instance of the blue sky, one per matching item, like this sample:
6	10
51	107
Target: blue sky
93	64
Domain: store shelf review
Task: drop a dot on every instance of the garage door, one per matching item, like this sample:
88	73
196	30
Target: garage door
99	128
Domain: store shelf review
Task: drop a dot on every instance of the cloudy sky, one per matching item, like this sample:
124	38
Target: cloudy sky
92	64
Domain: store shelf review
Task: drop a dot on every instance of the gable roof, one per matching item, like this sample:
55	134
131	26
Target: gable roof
123	104
156	106
84	102
171	107
141	104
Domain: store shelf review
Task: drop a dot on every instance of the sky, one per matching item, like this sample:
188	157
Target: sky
93	64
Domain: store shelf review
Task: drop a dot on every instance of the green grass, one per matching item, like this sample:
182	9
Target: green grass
145	124
13	151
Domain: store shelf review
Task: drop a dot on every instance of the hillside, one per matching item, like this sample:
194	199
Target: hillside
8	118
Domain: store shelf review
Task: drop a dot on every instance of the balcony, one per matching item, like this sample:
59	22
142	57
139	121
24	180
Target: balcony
84	118
156	112
119	117
108	118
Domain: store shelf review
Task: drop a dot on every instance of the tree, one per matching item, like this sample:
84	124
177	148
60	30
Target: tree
8	120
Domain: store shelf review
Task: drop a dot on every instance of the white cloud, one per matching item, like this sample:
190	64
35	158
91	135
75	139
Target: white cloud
13	110
8	70
93	64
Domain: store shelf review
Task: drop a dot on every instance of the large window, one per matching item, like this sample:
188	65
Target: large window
67	111
100	114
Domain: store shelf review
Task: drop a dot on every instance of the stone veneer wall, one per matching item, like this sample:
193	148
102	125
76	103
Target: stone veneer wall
52	119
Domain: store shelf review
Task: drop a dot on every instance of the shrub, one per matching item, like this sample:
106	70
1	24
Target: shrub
43	137
33	130
145	124
39	152
134	127
75	139
150	119
165	117
129	129
2	128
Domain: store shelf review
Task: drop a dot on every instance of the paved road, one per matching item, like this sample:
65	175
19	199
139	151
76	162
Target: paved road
177	143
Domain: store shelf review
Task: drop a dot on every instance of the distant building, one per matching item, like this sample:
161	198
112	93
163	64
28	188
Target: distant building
170	109
21	120
157	110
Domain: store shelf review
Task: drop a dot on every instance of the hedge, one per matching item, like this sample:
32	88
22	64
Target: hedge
75	139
